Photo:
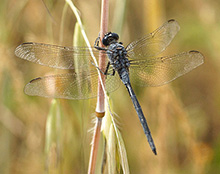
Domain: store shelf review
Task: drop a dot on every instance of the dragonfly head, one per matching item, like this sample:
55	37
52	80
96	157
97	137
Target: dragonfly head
110	38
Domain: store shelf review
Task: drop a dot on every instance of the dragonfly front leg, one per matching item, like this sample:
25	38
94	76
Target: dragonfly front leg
96	44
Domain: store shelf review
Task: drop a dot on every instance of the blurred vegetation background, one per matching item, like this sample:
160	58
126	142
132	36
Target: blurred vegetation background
184	116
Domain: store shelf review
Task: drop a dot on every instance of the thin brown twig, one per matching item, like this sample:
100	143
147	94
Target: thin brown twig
94	148
100	106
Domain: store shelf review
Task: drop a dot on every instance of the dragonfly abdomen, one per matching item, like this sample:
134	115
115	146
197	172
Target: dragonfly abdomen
141	117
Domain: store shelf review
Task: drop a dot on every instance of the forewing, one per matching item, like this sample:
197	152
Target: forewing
162	70
154	43
56	56
81	85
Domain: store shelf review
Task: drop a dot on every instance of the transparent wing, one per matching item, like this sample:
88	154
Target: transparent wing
154	43
162	70
56	56
82	85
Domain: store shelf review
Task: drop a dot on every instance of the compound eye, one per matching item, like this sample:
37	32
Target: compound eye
105	39
115	36
109	37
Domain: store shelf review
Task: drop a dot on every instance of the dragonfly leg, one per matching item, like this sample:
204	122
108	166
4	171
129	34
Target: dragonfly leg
106	70
113	73
96	44
98	68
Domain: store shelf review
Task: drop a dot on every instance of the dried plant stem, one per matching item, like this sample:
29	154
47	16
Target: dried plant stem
95	144
100	106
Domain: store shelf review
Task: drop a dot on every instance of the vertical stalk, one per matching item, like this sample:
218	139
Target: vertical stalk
100	106
94	148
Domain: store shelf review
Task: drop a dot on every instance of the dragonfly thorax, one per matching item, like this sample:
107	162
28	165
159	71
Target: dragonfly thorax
117	56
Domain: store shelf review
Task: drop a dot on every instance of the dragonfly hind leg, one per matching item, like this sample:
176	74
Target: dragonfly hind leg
106	70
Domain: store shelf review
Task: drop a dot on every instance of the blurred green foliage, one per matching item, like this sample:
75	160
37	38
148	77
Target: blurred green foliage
184	116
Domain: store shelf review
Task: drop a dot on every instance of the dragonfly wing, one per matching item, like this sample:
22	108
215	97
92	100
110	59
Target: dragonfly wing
154	43
82	85
162	70
112	82
56	56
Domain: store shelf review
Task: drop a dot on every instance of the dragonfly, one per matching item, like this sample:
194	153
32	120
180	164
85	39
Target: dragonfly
137	63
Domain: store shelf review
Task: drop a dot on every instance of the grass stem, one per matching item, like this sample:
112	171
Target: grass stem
100	106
